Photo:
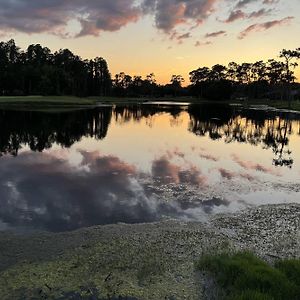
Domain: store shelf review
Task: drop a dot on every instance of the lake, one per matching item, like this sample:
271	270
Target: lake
63	170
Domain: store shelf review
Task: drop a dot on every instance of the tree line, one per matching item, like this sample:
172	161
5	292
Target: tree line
37	71
272	79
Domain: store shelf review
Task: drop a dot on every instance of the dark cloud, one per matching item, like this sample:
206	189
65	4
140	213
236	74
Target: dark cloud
239	14
235	15
243	3
180	37
35	16
270	1
95	16
208	205
170	13
215	34
260	13
258	27
43	191
200	43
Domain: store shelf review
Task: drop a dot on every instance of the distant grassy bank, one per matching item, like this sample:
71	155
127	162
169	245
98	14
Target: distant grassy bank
78	101
51	100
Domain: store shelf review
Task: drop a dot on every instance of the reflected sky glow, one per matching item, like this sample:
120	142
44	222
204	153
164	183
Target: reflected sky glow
143	164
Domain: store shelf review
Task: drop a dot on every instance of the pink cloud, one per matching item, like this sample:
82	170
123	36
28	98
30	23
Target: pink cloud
167	172
226	173
240	15
248	165
259	27
35	16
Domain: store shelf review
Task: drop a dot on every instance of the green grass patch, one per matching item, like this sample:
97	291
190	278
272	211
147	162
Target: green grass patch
295	105
62	100
75	101
51	101
243	276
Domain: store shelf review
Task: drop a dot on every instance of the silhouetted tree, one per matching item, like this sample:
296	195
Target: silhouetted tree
37	71
289	56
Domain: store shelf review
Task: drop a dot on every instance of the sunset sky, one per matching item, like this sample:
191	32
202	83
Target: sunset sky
161	36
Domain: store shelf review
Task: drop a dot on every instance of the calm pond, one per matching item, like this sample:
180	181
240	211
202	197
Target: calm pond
60	171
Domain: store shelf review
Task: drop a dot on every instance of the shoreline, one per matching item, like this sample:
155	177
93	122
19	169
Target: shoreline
144	261
79	102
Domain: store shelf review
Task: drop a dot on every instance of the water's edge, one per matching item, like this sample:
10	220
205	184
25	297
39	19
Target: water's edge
145	261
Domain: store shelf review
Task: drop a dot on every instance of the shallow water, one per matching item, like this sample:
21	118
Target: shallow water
61	171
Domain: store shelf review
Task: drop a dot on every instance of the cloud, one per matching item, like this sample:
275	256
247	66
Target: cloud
258	27
209	157
199	43
170	13
95	16
226	174
35	16
270	1
180	37
239	14
243	3
215	34
247	176
178	153
231	175
259	13
249	165
166	172
43	191
235	15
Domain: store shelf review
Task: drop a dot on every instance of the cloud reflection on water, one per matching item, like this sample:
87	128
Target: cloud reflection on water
44	192
203	170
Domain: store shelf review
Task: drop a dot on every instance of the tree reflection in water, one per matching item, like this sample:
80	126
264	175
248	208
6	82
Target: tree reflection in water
49	191
254	127
40	130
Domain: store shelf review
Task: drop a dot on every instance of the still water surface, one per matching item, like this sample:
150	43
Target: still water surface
61	171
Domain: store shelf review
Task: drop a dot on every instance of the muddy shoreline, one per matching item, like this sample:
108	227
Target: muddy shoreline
142	261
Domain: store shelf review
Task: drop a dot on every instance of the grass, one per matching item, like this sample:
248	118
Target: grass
243	276
77	101
62	100
102	269
295	105
87	100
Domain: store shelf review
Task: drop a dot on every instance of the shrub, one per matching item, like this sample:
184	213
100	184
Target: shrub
243	276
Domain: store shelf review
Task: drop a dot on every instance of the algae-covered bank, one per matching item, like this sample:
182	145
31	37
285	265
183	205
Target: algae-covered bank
144	261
